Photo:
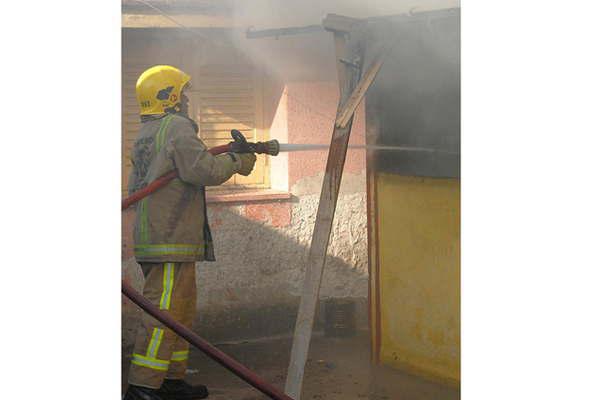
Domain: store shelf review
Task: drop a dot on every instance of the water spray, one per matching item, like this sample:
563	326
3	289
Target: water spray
291	147
270	147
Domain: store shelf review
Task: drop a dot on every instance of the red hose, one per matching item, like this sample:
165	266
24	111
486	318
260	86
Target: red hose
162	181
211	351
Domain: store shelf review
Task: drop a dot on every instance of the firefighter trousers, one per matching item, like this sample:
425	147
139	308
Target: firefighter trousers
158	352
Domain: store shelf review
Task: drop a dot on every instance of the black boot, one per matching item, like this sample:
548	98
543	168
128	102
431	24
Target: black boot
178	389
142	393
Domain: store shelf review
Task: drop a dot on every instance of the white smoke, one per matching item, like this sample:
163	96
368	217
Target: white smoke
264	14
307	56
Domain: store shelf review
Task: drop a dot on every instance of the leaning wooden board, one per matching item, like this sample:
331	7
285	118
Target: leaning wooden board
348	77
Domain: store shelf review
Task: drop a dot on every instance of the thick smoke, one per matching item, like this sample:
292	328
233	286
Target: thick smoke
263	14
307	56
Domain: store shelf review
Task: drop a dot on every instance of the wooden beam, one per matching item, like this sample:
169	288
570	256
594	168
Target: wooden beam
188	20
347	77
373	129
360	90
339	23
292	30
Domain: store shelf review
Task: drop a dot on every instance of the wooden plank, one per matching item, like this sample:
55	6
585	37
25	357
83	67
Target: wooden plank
292	30
339	23
372	132
189	21
347	78
360	90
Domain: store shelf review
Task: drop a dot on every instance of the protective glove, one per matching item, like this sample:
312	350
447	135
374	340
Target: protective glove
248	160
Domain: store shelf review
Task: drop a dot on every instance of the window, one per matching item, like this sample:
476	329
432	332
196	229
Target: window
223	98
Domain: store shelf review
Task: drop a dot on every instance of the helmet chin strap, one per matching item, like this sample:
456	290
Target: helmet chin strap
176	109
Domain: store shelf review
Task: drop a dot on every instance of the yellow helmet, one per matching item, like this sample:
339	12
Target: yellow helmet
158	89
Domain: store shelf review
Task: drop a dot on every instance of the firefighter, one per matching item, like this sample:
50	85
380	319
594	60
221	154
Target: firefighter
171	230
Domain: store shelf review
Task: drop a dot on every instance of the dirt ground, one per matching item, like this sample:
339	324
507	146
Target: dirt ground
337	369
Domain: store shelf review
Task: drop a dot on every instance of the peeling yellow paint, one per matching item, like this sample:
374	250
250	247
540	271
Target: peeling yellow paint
419	271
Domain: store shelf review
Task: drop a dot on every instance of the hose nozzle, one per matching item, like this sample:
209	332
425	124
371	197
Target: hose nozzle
270	147
241	145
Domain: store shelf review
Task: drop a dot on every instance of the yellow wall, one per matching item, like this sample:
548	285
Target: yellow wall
419	274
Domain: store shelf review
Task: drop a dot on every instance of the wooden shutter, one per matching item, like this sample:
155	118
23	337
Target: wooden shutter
130	123
225	97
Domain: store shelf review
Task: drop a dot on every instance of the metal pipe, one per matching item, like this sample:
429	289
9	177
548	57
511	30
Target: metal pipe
217	355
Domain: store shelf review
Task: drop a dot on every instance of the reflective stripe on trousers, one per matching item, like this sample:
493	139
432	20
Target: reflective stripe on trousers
180	355
158	352
168	281
148	250
157	335
153	363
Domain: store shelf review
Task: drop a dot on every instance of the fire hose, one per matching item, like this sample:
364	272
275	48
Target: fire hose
239	145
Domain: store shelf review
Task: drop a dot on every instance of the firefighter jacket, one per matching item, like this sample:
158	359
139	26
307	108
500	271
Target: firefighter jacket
171	224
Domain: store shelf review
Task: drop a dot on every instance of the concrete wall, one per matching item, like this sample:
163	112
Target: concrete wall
253	289
419	274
